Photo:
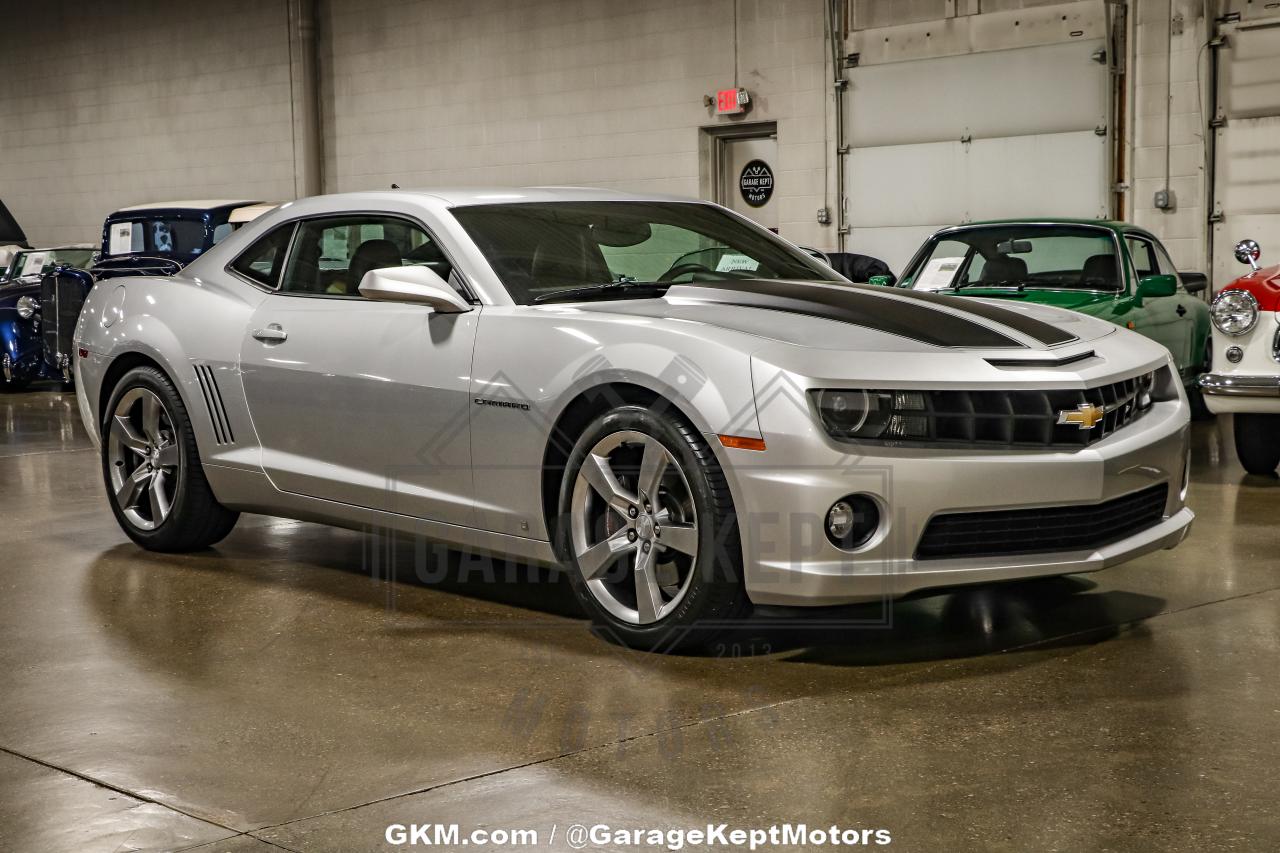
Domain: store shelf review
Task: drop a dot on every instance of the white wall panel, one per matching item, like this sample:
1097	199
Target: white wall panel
106	105
899	190
1045	89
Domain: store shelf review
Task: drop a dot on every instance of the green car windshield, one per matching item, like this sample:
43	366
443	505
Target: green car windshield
1051	257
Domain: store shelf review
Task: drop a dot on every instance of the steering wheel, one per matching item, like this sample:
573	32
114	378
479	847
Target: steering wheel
686	268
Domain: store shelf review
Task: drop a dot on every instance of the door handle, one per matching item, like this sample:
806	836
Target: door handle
1182	311
272	334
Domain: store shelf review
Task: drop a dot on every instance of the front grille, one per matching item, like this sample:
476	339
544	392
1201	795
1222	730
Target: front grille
49	315
1031	418
62	295
1042	530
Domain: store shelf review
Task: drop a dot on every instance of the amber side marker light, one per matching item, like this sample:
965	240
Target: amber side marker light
742	442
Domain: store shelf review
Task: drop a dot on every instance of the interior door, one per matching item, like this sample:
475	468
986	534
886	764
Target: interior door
356	401
748	169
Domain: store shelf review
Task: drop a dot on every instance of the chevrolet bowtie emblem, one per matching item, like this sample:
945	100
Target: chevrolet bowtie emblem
1085	416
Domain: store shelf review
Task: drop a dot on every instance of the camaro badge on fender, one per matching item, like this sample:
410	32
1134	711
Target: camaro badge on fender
1086	416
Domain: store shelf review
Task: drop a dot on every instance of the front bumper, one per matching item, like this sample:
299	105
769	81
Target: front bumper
1219	385
1232	393
782	503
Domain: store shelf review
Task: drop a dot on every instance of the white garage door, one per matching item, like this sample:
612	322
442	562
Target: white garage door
1247	156
1009	133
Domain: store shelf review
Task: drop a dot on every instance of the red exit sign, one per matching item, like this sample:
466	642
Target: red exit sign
731	101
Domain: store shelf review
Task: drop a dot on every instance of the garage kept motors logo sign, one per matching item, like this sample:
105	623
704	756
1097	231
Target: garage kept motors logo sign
756	183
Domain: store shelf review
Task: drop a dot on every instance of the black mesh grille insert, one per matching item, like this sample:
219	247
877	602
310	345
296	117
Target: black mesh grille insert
1043	530
1031	418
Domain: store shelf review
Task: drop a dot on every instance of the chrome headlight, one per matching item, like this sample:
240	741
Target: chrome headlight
28	307
1234	312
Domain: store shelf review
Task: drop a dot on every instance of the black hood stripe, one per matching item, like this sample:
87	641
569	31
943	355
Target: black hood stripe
861	306
1039	330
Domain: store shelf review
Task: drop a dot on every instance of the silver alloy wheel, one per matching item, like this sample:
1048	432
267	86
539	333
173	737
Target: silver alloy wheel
634	527
146	463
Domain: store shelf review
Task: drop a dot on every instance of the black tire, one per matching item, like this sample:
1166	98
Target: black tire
715	596
196	519
1258	442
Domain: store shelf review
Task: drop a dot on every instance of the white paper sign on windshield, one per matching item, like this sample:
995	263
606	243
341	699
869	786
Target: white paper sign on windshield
121	242
734	261
937	274
33	263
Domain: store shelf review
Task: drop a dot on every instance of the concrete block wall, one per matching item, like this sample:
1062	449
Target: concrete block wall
103	105
1168	98
581	92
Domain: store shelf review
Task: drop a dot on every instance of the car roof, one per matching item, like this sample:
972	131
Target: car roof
191	204
459	196
1112	224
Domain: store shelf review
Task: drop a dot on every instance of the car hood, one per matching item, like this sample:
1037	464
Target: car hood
823	315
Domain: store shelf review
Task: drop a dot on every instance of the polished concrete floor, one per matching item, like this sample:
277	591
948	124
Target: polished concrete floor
280	692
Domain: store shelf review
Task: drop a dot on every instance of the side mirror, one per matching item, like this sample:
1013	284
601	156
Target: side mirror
881	280
418	285
1194	282
1248	252
1158	285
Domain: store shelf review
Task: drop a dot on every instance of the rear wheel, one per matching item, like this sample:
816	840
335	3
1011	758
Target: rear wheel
648	526
1258	442
155	482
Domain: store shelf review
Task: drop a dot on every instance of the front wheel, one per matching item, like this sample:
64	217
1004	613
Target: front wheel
1258	442
155	482
647	524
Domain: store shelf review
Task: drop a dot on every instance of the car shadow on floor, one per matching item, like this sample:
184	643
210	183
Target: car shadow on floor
430	589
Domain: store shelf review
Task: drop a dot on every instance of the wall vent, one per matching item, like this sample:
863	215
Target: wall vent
222	433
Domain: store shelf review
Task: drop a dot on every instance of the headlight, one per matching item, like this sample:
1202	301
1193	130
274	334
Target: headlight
873	414
1234	312
27	307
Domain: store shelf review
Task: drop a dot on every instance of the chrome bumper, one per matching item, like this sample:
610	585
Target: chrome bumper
1223	385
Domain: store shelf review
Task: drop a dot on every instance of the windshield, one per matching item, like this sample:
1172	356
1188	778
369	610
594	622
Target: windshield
540	248
37	262
1053	257
168	235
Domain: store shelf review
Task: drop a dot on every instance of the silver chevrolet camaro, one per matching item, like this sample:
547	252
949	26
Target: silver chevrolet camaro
687	412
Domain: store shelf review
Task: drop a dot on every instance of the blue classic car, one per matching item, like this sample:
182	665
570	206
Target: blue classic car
21	351
148	239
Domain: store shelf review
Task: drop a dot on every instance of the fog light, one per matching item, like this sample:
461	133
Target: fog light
1234	354
852	521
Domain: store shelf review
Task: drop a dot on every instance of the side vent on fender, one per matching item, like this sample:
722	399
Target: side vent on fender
213	399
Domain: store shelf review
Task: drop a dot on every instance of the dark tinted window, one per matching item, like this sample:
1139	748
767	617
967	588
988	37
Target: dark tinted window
539	248
262	261
330	256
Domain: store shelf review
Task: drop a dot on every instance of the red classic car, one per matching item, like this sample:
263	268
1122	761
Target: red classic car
1245	379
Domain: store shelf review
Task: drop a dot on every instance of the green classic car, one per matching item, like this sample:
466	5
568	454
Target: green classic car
1111	270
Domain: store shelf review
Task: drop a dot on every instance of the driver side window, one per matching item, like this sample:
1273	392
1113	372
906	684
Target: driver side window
1144	259
330	256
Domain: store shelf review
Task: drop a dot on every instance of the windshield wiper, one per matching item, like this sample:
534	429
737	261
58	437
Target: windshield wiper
1020	285
608	289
